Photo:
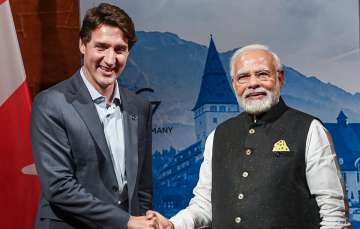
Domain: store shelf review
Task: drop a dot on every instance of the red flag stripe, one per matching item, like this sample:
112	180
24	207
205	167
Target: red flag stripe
19	192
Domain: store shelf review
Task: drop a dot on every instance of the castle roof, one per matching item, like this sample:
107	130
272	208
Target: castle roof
342	118
215	88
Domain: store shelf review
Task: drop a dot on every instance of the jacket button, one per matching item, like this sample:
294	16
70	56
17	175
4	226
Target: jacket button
237	219
252	131
248	152
241	196
245	174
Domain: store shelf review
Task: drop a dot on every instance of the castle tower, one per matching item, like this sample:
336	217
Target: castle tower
342	119
216	101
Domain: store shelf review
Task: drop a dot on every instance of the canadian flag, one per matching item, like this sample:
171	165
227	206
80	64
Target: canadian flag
19	187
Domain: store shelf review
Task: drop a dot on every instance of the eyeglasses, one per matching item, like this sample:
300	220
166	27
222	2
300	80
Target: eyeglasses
262	75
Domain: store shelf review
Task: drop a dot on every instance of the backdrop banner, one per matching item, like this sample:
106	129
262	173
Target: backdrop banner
181	64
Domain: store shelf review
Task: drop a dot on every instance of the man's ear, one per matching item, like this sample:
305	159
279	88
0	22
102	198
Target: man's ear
82	46
281	77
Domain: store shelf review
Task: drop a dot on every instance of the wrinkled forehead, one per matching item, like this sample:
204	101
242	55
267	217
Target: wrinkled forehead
254	60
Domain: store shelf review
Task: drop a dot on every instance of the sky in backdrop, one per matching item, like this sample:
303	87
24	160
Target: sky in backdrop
318	37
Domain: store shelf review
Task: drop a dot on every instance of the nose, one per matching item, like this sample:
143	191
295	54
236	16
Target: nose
254	82
110	58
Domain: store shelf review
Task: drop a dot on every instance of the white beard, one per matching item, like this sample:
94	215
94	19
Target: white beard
259	106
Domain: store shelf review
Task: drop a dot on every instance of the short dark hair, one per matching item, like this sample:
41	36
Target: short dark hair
106	14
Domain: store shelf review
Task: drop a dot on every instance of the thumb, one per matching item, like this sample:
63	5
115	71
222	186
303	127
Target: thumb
150	214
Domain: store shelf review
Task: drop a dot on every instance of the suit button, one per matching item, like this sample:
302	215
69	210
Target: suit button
248	152
115	188
245	174
241	196
252	131
237	219
119	202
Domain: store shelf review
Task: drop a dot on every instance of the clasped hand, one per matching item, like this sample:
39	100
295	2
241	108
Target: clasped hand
152	220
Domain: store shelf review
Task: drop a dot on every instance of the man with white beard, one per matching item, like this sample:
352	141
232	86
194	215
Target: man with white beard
270	167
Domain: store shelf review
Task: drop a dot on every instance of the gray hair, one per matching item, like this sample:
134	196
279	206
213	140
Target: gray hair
240	51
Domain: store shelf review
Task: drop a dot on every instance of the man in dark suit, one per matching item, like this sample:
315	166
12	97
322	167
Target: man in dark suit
91	139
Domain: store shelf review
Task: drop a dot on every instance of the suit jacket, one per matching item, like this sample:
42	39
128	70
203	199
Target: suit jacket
73	161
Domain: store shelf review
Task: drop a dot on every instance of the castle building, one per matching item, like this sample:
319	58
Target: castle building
346	137
216	101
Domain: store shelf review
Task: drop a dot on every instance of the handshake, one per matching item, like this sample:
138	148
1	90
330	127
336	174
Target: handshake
152	220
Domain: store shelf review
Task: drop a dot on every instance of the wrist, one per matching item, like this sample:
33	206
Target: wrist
171	225
128	225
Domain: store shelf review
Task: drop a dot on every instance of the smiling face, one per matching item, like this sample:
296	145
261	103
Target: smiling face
256	81
105	57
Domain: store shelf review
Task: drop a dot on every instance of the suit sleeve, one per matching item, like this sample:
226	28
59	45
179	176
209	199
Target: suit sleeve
55	167
145	180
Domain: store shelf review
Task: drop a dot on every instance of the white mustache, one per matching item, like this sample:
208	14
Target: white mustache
257	90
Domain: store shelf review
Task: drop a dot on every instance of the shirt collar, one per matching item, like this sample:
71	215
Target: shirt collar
95	95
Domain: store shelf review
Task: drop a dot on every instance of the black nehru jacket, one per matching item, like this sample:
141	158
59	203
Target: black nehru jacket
258	172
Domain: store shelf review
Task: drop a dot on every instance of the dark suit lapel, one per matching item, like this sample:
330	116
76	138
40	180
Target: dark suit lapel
131	140
87	110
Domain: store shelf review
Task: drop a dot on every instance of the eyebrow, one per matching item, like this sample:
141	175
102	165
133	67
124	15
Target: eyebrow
263	70
105	45
101	44
242	72
247	71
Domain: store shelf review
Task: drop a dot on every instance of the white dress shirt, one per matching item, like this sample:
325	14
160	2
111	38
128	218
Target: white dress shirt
112	121
322	175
